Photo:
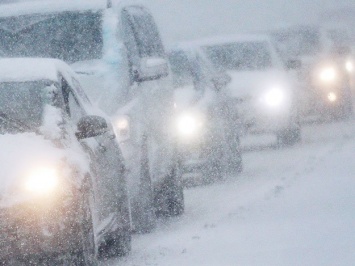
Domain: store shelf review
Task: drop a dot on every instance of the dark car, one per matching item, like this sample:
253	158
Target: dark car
63	186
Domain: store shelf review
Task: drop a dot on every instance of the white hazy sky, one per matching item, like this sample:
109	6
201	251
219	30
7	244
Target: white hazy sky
191	19
181	20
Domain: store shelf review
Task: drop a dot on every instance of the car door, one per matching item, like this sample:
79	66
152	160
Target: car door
111	202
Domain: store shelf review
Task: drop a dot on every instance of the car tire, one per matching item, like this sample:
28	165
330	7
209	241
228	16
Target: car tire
169	200
289	136
86	255
118	245
175	202
143	209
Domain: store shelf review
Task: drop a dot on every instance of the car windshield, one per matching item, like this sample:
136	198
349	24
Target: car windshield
146	33
181	69
242	56
21	106
70	36
299	42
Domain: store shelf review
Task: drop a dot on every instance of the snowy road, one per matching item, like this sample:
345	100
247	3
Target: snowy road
291	206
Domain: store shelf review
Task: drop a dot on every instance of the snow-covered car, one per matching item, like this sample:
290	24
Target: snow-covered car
207	121
62	182
116	50
326	70
261	83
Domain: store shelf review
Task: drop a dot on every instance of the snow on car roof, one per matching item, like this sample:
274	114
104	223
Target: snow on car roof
229	39
29	69
47	7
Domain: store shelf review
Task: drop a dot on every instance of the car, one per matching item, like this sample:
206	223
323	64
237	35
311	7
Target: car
207	120
260	82
63	181
116	50
326	68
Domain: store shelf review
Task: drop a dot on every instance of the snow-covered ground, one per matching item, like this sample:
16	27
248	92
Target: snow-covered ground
291	206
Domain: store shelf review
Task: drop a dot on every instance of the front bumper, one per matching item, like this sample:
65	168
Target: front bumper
261	119
28	230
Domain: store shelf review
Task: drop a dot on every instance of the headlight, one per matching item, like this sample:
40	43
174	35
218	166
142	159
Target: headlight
328	74
274	97
188	124
349	66
122	127
42	181
332	97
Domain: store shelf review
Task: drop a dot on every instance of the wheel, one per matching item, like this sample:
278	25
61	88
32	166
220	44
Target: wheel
289	136
87	253
143	211
175	202
169	200
118	245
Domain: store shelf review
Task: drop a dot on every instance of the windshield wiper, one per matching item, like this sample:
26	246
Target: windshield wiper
14	122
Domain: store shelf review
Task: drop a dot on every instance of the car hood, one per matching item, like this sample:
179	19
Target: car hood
21	155
250	84
188	98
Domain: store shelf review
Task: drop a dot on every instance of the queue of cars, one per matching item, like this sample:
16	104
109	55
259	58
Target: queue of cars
325	67
93	169
118	57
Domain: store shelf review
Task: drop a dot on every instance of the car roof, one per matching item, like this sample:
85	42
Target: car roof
49	7
217	40
32	69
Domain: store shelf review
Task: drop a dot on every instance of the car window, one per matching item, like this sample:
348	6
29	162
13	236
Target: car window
240	56
141	29
73	108
80	91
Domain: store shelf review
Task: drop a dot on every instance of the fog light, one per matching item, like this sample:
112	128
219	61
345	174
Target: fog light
332	97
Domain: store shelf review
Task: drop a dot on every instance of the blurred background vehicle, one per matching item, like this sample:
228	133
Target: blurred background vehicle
120	59
63	180
326	67
260	82
207	121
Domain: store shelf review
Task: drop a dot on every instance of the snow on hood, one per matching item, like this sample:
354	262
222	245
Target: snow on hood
184	96
31	69
27	152
248	84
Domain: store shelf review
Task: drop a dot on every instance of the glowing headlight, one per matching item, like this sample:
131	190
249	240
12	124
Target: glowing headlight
349	66
42	181
122	123
187	124
274	97
122	127
332	97
328	74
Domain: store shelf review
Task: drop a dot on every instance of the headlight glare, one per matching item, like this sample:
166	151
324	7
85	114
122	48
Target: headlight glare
187	124
328	74
349	66
274	97
332	97
42	181
122	127
122	123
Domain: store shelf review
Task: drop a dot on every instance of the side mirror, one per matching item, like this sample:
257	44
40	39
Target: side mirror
221	81
293	64
151	68
91	126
